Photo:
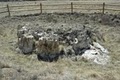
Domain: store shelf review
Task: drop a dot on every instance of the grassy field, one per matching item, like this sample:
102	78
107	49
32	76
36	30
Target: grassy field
16	66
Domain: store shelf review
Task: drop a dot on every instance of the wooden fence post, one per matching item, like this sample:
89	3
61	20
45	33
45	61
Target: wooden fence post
41	8
103	11
71	7
8	9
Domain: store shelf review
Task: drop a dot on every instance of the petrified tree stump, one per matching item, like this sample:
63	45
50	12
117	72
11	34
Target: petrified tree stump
26	44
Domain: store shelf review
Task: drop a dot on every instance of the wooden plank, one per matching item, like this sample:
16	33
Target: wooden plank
58	9
23	5
3	12
103	11
113	9
24	10
87	4
57	5
63	5
8	10
86	9
41	8
71	7
112	5
2	7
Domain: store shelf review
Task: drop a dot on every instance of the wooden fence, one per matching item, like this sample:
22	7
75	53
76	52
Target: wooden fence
71	8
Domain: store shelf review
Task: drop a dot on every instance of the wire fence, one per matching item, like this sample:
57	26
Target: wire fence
49	8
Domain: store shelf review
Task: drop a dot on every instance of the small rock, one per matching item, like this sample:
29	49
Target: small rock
10	74
18	50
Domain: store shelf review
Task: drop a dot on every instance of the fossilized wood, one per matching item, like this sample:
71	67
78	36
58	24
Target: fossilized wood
47	50
21	30
26	44
52	50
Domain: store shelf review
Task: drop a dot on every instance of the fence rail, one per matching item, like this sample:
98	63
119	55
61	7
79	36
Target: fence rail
24	10
3	12
2	7
70	7
23	5
113	9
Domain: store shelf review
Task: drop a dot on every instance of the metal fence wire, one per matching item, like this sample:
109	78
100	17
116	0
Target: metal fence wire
70	8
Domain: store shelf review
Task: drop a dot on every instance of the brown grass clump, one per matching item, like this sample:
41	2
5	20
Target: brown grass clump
3	65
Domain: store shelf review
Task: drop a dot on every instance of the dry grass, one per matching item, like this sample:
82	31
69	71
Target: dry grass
29	68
